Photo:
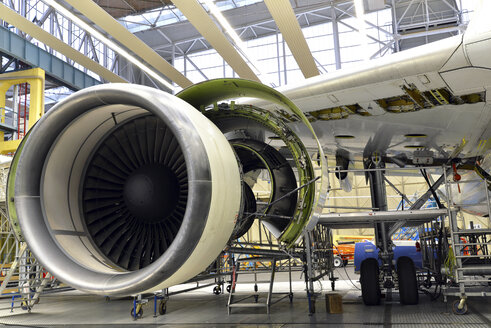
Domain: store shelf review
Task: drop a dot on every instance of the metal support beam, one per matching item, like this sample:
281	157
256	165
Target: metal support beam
21	49
335	36
284	16
118	32
32	29
200	19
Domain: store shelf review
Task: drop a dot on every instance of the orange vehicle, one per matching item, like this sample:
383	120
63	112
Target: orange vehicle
344	248
343	253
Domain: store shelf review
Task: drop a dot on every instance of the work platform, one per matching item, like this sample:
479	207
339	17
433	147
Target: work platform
367	219
204	309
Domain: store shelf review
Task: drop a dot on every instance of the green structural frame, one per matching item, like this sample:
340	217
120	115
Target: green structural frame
312	196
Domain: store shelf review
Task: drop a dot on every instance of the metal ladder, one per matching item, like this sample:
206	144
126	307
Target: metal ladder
234	302
472	253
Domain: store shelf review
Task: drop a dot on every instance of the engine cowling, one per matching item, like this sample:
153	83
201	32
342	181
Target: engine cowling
87	198
121	189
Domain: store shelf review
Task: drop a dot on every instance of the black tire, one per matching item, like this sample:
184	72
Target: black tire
162	307
229	287
139	314
217	290
24	306
337	261
370	286
345	262
456	310
408	284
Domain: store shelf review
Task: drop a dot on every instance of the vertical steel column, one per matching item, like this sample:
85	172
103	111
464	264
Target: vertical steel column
278	56
284	60
395	27
335	36
308	272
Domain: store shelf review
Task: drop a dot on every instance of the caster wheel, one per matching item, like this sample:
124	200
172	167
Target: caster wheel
345	262
255	288
162	307
229	288
139	313
107	298
24	306
217	290
290	296
256	298
456	310
337	261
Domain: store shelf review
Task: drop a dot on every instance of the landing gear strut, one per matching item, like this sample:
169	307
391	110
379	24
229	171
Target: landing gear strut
372	275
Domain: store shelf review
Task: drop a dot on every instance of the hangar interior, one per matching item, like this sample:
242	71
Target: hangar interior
314	191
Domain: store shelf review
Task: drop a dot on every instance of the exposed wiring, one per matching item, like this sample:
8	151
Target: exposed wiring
344	267
450	263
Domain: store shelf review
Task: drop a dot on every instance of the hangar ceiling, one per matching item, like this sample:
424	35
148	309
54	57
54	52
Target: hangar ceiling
122	8
163	26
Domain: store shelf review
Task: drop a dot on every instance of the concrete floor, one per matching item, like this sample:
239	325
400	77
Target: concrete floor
202	308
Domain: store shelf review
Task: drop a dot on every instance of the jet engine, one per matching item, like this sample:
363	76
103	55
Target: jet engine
121	189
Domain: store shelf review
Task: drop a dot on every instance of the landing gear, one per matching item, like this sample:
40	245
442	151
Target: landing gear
370	287
408	285
337	261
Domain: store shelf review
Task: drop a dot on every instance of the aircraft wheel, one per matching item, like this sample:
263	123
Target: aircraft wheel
217	290
229	288
370	287
408	285
337	261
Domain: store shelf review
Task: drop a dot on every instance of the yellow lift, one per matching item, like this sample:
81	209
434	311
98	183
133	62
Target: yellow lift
35	78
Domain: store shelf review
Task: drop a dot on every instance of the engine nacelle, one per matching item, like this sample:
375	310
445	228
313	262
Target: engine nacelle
121	189
88	203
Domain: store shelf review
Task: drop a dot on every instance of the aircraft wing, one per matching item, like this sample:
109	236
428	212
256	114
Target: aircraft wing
431	97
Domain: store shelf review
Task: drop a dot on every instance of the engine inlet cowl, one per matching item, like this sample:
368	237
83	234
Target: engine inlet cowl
121	190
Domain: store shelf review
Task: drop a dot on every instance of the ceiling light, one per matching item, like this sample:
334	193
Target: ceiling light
116	48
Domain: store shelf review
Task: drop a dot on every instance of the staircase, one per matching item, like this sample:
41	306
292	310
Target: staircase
255	299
